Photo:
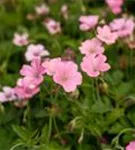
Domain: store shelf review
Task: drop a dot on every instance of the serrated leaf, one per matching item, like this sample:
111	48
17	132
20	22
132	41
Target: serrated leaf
114	115
100	107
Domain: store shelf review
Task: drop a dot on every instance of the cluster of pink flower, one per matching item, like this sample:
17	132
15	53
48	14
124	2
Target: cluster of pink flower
65	73
33	75
120	27
27	86
32	78
51	25
115	5
94	61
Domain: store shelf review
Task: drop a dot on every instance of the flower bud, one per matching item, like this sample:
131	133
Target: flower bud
103	87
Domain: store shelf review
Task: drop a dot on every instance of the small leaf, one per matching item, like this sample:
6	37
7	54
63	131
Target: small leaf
100	107
114	115
21	132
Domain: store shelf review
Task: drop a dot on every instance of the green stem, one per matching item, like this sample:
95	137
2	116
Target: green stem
131	61
93	91
57	44
81	136
56	127
97	90
115	141
83	9
15	146
56	95
50	128
29	115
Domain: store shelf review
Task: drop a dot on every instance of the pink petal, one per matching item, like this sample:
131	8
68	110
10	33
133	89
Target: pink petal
26	71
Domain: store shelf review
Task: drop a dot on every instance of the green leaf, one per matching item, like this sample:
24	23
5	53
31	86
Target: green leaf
8	115
131	115
114	115
100	107
6	138
116	128
21	131
44	134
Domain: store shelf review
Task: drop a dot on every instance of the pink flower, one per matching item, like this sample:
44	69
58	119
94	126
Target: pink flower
88	22
64	8
122	26
52	26
105	35
42	9
35	51
20	39
93	65
131	146
115	5
92	46
51	65
35	71
26	88
8	94
67	76
116	10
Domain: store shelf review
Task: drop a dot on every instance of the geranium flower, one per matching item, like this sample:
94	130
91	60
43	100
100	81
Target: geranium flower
20	39
92	46
88	22
122	26
8	94
26	88
67	76
93	65
42	9
35	51
52	26
35	71
105	35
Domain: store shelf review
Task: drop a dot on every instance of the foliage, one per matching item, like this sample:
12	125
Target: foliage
91	118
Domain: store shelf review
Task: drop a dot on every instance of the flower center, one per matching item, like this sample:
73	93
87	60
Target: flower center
36	53
28	90
8	95
91	50
21	41
54	27
64	78
36	75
